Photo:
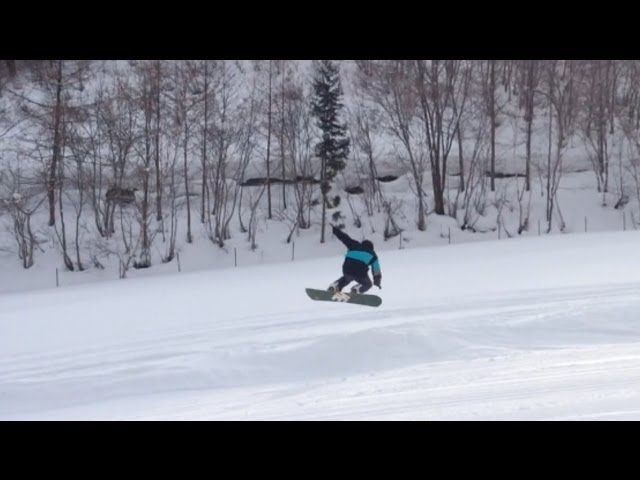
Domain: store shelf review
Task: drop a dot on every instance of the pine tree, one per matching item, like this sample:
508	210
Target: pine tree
333	148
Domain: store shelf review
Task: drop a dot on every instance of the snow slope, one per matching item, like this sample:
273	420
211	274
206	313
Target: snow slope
536	328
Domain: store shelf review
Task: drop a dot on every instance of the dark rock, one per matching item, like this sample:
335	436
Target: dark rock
387	178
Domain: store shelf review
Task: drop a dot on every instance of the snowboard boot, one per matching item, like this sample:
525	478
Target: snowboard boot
333	288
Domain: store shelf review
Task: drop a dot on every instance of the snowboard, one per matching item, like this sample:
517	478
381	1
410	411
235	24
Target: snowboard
344	297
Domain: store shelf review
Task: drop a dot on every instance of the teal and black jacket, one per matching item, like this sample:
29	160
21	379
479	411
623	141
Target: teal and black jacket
360	256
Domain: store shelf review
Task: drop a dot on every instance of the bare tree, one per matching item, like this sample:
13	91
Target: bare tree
529	80
597	123
55	157
443	89
126	248
628	116
62	234
391	85
392	209
299	137
233	131
364	133
173	205
185	98
143	149
157	77
268	71
630	94
499	201
205	78
54	99
57	81
285	85
246	148
21	204
523	194
255	196
561	94
78	197
269	129
489	82
423	102
116	135
89	146
472	127
223	133
474	195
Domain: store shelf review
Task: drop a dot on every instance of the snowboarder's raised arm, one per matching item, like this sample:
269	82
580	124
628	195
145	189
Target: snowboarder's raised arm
344	238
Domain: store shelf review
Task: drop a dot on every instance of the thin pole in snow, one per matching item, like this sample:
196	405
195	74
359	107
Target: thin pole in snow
585	223
400	240
538	226
57	280
235	257
293	251
624	221
449	235
178	259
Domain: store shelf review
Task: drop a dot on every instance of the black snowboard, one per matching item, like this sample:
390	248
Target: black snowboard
357	298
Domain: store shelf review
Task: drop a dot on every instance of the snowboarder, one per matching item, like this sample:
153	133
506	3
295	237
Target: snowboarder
360	256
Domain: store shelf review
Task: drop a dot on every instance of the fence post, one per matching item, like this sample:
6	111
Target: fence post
293	251
57	280
449	235
624	221
235	257
178	258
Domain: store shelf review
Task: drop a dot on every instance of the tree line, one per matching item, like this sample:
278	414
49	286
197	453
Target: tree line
116	154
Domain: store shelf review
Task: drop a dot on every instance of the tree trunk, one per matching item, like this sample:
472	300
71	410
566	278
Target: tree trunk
269	144
529	119
53	169
282	156
492	115
157	144
65	256
205	190
186	175
324	199
549	199
461	160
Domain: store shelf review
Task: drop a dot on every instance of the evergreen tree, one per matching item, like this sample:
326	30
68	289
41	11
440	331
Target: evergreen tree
333	148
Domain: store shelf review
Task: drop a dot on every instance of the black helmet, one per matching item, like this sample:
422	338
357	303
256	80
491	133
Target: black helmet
367	244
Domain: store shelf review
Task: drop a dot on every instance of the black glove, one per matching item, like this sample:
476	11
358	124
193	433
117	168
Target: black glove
377	281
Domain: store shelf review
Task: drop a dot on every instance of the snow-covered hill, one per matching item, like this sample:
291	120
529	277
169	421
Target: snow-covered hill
527	328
